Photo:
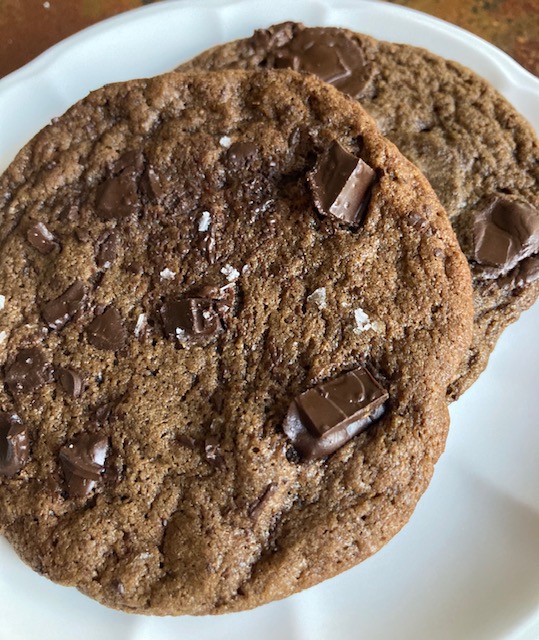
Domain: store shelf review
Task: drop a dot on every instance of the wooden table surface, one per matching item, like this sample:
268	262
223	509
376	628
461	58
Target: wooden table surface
28	27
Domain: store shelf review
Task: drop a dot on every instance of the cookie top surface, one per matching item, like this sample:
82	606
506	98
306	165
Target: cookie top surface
220	387
478	153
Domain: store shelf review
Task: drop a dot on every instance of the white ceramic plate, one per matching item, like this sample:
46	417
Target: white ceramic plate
467	564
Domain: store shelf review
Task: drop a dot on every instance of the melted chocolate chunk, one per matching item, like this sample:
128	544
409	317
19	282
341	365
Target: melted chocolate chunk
41	238
108	250
58	312
14	445
70	381
191	317
505	233
118	196
323	419
83	463
29	371
340	184
330	54
107	331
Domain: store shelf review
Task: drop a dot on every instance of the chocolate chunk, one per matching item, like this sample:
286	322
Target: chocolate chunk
107	331
330	54
323	419
118	196
132	161
69	213
223	297
108	250
505	232
83	463
29	371
151	185
340	184
191	317
41	238
240	153
82	235
58	312
275	36
71	381
14	445
526	272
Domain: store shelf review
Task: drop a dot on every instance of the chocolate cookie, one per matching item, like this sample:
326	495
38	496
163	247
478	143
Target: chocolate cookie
231	311
478	153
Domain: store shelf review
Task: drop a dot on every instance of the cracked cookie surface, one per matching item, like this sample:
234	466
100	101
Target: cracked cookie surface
174	275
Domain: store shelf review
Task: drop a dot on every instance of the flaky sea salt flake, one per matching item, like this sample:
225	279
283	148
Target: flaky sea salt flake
167	274
205	221
318	297
363	322
225	142
141	323
230	273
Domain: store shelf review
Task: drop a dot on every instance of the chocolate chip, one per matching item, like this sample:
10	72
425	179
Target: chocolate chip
323	419
330	54
29	371
70	381
505	232
240	154
108	250
186	441
41	238
83	463
340	184
118	196
14	445
107	331
191	317
58	312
